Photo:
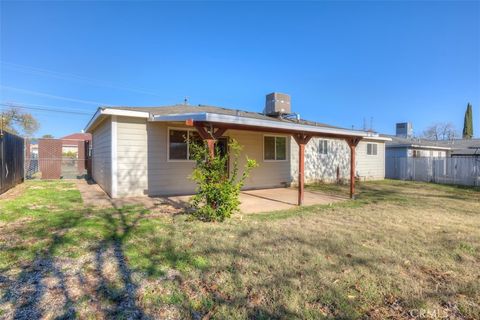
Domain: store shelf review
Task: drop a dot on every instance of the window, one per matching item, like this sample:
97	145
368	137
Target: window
274	148
178	139
323	147
372	149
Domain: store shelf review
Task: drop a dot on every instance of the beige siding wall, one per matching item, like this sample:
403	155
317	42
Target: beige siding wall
269	173
370	167
102	155
143	166
172	177
132	157
165	177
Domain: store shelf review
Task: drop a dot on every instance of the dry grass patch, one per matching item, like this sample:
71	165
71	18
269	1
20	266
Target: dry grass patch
401	251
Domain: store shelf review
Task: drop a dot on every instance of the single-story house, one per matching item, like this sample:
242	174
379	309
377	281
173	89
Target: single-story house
142	150
463	147
400	147
404	145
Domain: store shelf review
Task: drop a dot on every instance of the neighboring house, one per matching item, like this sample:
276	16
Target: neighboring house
62	158
442	161
463	147
70	143
142	151
400	147
404	145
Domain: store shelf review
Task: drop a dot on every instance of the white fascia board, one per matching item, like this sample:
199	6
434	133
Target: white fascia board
417	146
228	119
429	147
126	113
377	138
93	120
115	112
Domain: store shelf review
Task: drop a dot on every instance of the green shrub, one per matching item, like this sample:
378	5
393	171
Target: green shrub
218	190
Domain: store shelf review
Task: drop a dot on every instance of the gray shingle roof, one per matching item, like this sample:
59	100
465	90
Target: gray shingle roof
455	144
182	109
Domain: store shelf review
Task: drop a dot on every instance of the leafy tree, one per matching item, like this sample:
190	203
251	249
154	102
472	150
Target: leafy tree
218	191
440	131
47	136
468	123
18	122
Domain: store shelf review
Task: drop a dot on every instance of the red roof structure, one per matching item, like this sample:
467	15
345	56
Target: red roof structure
78	136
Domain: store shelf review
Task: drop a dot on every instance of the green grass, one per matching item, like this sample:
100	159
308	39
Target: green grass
401	248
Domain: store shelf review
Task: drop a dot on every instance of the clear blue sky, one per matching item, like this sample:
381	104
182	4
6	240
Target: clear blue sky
340	61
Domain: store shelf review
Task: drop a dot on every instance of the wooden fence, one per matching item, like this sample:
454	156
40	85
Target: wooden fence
455	170
11	160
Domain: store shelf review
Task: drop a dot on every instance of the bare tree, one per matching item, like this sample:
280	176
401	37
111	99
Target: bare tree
16	121
440	131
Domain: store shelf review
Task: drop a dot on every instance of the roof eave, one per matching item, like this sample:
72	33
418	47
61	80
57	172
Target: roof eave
113	112
258	123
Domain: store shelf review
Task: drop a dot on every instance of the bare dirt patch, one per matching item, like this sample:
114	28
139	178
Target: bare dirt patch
14	192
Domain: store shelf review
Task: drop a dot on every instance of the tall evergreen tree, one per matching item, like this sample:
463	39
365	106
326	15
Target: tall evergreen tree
468	123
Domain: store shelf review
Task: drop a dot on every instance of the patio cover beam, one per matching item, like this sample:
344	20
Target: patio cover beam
239	122
301	137
228	126
210	137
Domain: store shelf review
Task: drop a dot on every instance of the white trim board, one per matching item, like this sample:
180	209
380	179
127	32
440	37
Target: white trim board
114	112
114	168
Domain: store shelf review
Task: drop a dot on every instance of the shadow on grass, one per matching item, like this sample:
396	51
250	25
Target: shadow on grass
123	299
28	289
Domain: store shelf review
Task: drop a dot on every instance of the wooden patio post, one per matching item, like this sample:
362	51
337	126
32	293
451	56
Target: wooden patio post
209	137
301	140
211	147
352	143
301	173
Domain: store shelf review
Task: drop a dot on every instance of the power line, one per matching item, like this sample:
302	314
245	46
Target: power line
19	104
69	76
42	94
5	106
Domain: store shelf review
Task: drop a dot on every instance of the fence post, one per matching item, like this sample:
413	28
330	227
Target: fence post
414	169
24	158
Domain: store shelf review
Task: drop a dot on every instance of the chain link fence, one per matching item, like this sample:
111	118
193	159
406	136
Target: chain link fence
57	159
455	170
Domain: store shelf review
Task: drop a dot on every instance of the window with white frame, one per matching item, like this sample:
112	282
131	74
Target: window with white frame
372	149
274	148
323	147
178	143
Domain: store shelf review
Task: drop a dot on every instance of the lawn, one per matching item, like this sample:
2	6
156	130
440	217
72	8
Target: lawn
401	250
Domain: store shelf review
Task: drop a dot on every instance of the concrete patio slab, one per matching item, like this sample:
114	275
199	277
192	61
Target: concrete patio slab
267	200
262	200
